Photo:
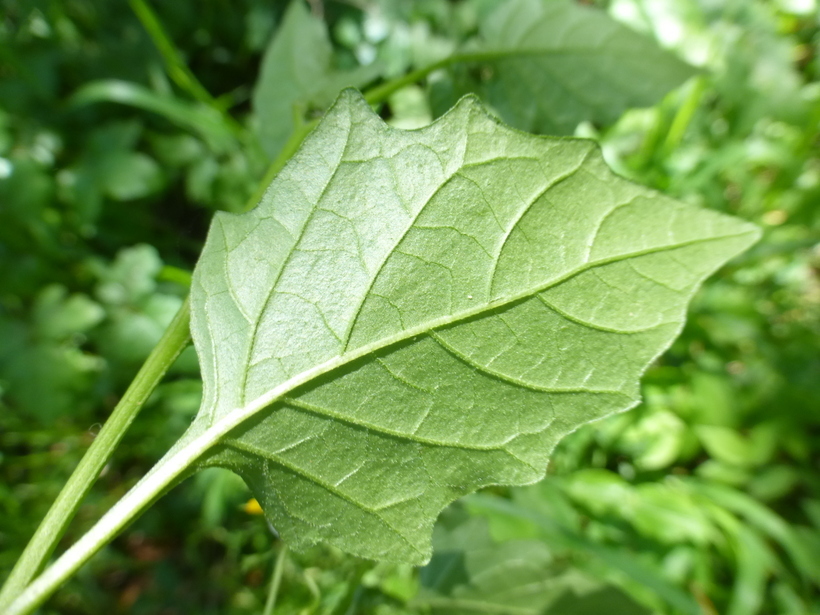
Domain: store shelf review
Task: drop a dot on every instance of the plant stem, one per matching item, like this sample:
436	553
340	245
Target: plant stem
276	580
176	68
166	473
380	93
174	65
45	539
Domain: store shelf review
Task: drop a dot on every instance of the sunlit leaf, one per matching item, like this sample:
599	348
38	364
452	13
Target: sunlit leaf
411	315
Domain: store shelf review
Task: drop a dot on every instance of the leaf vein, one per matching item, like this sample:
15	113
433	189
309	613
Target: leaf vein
260	452
550	185
596	326
507	379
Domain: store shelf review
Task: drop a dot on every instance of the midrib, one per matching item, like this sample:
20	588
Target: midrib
236	417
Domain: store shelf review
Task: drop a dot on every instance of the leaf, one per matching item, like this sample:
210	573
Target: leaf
471	573
195	117
550	65
297	70
606	562
411	315
757	516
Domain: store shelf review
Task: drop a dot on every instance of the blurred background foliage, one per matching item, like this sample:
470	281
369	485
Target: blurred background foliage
124	125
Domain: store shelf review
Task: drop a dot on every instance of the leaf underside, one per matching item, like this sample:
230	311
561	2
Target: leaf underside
552	64
409	316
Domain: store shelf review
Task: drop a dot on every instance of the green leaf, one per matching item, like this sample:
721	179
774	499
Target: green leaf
131	175
472	573
197	118
297	72
758	516
411	315
616	564
548	65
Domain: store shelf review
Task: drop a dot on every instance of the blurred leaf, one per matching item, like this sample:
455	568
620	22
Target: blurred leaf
667	515
131	277
549	65
659	511
470	573
58	316
729	446
297	74
619	561
200	119
222	492
26	190
47	381
592	600
712	402
766	521
109	167
753	567
657	440
132	176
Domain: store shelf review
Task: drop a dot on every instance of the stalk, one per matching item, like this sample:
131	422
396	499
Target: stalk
45	539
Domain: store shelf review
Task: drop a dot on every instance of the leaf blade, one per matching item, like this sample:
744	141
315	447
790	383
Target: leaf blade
379	335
